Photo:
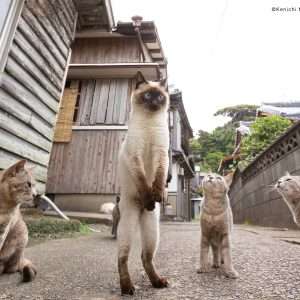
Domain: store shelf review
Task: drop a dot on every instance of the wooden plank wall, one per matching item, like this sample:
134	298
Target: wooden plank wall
32	82
88	164
104	101
105	50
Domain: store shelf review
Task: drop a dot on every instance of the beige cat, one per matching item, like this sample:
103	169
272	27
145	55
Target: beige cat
289	188
16	188
143	168
216	225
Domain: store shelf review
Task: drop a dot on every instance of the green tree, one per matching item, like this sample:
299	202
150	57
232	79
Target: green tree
263	132
209	148
242	112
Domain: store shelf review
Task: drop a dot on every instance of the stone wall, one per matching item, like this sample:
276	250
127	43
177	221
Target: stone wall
253	199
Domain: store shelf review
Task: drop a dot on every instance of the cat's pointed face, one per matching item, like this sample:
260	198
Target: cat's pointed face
214	185
150	95
289	186
17	185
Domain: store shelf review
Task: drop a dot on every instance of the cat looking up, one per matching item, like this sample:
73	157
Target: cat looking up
288	187
143	169
216	225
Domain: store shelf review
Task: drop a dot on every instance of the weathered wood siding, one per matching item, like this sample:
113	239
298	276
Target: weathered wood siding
106	50
88	164
32	82
104	101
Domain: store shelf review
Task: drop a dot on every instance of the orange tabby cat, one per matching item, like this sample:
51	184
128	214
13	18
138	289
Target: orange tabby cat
16	188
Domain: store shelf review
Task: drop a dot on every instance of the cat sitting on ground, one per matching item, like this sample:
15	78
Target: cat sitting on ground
216	225
143	169
16	188
289	188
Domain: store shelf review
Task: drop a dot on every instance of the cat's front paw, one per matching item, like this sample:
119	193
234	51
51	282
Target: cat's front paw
157	195
203	269
233	274
216	265
150	205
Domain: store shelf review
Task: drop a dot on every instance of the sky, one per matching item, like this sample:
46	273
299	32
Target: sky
225	52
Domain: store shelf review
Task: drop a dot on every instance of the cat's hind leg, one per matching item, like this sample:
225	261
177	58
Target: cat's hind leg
150	240
126	231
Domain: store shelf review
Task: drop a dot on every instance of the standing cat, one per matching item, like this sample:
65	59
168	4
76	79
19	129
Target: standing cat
16	188
289	188
116	218
143	168
216	225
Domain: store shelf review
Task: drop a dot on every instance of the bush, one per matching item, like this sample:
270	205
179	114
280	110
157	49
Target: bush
264	131
54	228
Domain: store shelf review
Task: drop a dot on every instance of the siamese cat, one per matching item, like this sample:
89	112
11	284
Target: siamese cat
16	187
216	225
288	187
143	169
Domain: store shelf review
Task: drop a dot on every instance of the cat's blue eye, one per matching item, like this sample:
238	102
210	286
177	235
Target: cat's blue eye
219	178
147	96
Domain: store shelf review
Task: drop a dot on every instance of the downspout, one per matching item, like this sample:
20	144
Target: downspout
137	23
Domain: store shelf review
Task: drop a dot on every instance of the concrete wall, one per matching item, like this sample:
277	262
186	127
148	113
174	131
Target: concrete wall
253	200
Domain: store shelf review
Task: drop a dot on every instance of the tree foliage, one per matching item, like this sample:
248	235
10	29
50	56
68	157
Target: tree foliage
210	148
264	131
243	112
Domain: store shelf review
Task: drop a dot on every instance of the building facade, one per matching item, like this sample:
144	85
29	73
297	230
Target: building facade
35	51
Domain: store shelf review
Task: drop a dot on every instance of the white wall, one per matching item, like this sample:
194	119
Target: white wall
173	185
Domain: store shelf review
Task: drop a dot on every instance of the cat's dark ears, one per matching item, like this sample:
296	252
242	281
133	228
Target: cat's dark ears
140	79
14	170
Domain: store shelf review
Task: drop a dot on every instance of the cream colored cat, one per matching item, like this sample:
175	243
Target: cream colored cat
216	225
289	188
143	167
16	188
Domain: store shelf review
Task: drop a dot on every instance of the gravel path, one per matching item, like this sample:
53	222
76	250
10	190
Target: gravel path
85	268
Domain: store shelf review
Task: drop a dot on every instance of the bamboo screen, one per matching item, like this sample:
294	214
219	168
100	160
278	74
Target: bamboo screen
63	129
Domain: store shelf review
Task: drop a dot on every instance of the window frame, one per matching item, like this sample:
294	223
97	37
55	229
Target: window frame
8	31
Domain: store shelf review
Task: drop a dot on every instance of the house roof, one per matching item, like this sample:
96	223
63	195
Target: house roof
285	109
176	101
150	38
94	14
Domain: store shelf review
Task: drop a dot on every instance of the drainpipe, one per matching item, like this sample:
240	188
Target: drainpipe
137	23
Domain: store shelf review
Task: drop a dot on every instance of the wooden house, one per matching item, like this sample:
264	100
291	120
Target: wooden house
182	166
35	49
94	112
95	109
